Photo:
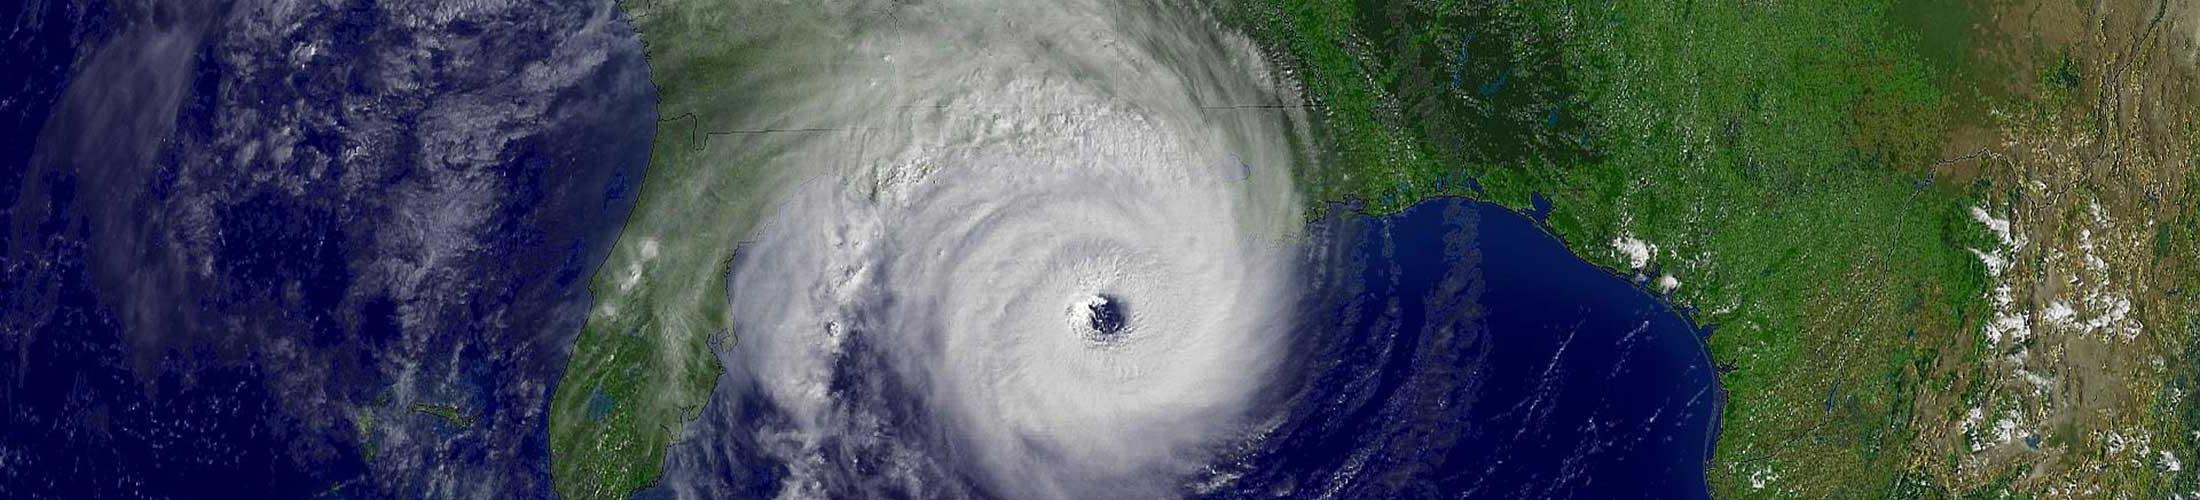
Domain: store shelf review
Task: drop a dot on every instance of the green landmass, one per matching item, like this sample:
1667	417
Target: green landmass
362	422
448	413
1776	155
642	365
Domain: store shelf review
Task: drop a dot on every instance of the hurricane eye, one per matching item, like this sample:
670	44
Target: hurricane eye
1099	317
1105	314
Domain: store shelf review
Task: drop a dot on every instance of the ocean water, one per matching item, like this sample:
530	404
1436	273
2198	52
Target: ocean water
1459	349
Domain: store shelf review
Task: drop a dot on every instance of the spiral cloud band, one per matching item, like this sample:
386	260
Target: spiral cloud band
1041	247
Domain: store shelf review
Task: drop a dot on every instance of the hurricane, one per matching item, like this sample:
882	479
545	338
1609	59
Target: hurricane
1038	249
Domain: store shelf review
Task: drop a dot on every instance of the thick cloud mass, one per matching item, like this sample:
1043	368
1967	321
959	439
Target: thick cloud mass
921	310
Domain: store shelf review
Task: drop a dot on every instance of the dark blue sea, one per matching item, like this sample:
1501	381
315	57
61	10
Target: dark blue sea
1461	351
